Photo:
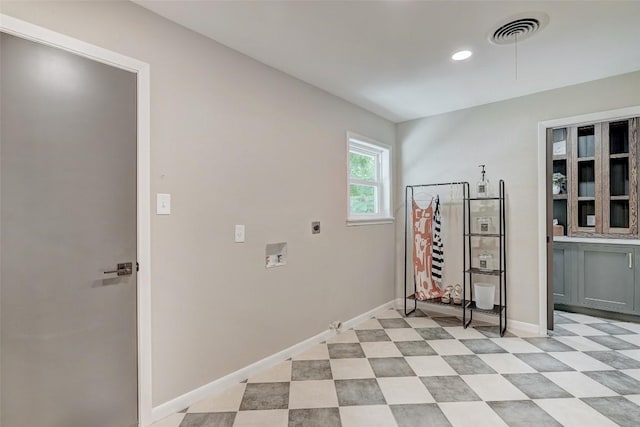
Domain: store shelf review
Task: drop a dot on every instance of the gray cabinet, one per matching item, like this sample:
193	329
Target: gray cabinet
606	277
597	275
564	264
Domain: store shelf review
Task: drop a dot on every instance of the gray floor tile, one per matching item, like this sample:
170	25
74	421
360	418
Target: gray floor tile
620	410
492	331
391	367
559	319
219	419
614	343
393	323
320	417
434	334
449	389
483	346
415	348
610	329
616	381
417	313
614	359
523	413
307	370
448	321
419	415
542	362
359	392
537	386
468	365
548	344
371	335
559	331
345	351
260	396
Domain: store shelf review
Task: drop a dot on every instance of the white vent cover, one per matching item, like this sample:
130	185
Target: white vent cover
519	27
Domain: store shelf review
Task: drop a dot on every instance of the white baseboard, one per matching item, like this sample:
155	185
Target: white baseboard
188	399
512	325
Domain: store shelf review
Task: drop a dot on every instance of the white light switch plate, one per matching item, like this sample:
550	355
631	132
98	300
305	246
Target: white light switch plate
239	234
163	204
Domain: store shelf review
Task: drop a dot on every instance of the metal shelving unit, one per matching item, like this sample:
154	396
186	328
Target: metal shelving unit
469	305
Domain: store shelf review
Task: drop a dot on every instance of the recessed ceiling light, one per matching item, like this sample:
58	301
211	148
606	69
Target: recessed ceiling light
461	55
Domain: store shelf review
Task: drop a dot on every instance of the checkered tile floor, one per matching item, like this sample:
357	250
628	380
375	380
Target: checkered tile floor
425	370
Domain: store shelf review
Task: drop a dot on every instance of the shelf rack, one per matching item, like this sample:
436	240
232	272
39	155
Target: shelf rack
466	239
499	309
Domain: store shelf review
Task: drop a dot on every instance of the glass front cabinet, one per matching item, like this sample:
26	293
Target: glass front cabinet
595	179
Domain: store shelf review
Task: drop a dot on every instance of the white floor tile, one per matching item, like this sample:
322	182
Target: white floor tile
368	324
404	390
317	352
634	327
170	421
506	363
312	394
227	401
633	339
389	314
580	361
582	343
582	330
635	398
449	347
634	354
344	337
367	416
579	385
280	372
421	322
493	387
380	349
467	414
461	333
403	334
574	412
429	366
633	373
516	345
581	318
345	369
271	418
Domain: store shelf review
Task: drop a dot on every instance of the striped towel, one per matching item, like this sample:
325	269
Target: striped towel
437	250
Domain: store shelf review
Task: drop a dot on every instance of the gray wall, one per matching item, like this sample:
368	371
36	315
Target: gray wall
503	136
236	142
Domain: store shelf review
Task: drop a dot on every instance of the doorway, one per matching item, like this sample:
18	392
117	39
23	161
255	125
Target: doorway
75	204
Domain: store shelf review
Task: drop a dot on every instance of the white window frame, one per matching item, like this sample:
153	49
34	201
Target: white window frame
382	153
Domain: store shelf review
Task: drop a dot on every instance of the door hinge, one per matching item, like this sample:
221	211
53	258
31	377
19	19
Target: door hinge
137	266
548	239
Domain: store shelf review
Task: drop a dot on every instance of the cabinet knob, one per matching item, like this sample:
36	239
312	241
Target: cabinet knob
630	260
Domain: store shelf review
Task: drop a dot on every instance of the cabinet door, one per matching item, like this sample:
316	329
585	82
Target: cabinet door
585	184
561	274
606	277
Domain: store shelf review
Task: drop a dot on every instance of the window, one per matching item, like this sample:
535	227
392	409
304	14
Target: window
369	180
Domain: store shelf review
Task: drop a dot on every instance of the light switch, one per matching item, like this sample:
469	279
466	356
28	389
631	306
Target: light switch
163	204
239	235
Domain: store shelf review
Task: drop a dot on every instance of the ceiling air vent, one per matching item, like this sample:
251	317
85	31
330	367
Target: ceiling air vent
518	28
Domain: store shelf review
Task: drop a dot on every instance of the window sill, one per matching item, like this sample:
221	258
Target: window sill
369	221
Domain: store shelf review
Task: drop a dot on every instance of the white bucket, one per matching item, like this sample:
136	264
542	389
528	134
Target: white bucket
485	293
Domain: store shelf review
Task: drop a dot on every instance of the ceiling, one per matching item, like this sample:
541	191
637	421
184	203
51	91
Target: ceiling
393	57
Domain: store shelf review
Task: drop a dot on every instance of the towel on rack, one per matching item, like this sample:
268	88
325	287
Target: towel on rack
437	249
427	287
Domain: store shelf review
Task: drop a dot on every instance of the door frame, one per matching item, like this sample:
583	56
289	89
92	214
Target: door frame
42	35
543	247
